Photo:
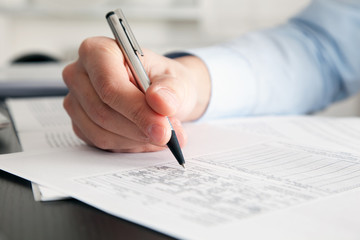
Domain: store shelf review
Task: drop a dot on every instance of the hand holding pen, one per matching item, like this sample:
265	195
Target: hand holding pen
133	54
110	112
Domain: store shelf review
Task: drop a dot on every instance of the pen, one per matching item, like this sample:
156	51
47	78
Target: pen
131	50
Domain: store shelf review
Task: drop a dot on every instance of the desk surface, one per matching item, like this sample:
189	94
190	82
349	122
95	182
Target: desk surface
21	217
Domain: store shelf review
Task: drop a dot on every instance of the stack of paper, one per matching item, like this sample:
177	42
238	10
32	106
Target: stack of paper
277	178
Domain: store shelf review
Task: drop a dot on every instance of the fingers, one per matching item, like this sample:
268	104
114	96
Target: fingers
172	94
94	135
109	111
182	90
164	96
111	81
98	112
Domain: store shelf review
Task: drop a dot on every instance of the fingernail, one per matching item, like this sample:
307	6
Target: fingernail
156	133
168	96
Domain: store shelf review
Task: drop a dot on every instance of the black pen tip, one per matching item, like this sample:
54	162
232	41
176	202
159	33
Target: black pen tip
174	147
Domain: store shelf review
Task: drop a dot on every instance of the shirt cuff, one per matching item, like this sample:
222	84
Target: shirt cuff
234	86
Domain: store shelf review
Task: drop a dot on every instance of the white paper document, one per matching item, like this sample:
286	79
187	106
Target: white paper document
338	133
252	184
42	123
260	178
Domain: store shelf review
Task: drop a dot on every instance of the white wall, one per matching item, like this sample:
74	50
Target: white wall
46	26
58	27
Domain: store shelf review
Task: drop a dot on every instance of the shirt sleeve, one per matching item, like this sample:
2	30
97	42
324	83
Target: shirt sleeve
299	67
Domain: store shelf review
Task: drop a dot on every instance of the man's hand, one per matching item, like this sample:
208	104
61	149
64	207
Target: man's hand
111	113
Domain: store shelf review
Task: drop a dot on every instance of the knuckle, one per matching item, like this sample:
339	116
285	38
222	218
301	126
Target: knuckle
109	48
68	74
99	113
67	104
137	149
76	130
102	142
128	150
78	133
86	46
101	44
138	115
107	93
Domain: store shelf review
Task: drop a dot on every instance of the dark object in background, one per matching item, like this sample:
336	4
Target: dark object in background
32	75
34	58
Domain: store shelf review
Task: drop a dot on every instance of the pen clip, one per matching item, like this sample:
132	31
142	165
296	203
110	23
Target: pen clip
128	31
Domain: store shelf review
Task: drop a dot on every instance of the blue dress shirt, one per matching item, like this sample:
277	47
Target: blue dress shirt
299	67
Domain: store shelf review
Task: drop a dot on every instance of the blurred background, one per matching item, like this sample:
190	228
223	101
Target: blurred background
57	28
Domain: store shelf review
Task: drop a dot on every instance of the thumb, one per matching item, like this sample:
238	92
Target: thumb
166	96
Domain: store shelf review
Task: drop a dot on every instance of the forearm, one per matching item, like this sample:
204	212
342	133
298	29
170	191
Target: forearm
299	67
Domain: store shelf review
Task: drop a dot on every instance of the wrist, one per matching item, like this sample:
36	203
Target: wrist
200	82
